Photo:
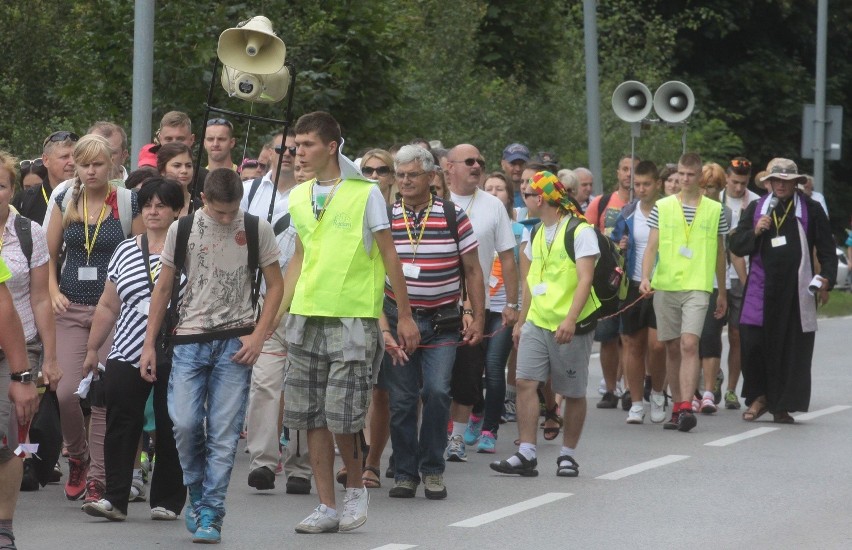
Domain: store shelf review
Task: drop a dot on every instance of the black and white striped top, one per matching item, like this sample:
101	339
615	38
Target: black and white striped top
127	270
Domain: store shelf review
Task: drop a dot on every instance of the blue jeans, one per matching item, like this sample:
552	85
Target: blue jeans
207	387
425	376
496	355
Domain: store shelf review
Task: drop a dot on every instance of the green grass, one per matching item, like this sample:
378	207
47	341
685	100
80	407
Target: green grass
839	304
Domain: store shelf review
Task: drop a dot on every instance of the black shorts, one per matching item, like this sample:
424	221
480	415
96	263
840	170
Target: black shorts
640	315
710	344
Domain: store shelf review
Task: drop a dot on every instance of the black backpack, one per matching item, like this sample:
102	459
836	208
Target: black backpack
609	280
23	228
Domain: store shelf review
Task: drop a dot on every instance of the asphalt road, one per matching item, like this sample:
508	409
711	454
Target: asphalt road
726	484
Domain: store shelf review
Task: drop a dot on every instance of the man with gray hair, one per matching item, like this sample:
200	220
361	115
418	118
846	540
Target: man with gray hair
434	289
584	187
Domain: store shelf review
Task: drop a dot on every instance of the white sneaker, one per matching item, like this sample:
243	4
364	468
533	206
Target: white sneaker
636	415
354	509
319	522
455	450
162	514
137	487
602	387
658	407
104	509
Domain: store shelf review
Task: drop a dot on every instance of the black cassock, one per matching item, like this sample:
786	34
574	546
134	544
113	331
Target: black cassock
776	350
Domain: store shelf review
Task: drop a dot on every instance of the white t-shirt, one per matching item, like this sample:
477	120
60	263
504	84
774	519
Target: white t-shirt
492	227
585	242
737	206
260	201
641	231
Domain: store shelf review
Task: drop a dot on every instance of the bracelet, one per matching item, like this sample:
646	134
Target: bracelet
386	330
467	312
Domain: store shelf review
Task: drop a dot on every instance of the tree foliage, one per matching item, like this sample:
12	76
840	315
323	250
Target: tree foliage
488	72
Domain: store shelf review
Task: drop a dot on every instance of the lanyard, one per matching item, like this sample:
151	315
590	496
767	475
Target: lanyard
416	244
327	200
784	217
2	236
152	272
543	243
44	194
91	245
688	226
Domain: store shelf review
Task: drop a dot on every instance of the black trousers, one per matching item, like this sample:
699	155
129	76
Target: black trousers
126	394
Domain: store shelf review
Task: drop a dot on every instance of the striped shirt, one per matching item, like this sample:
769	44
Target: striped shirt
689	215
127	271
436	255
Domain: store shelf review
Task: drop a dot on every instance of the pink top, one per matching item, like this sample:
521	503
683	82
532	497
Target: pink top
19	284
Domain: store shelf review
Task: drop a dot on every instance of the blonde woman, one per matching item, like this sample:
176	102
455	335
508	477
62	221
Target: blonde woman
87	221
377	165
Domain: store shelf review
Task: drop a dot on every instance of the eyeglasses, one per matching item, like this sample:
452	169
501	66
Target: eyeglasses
401	176
740	163
528	195
380	171
220	122
471	161
27	164
60	136
290	150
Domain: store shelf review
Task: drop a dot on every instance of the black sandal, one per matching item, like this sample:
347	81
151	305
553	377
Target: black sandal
551	433
567	470
526	469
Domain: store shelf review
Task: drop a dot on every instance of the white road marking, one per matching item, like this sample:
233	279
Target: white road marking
395	547
822	412
501	513
730	440
649	465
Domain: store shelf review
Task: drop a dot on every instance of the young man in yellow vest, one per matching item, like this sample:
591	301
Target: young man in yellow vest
688	231
334	288
556	326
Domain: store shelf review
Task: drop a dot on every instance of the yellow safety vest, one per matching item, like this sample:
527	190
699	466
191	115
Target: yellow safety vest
675	272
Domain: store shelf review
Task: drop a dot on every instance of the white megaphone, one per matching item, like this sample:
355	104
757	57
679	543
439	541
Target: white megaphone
252	47
631	101
674	101
257	88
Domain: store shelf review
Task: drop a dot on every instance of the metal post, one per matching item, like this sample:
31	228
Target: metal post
819	122
143	76
593	100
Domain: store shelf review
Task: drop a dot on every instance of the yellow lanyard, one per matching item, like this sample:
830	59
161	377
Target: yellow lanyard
44	194
155	269
91	245
784	217
327	200
2	236
415	245
688	226
543	244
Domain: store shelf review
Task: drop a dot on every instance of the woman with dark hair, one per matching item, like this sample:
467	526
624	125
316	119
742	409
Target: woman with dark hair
132	274
138	177
669	177
174	161
33	173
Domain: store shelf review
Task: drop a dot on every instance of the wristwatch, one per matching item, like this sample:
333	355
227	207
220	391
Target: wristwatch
516	307
25	377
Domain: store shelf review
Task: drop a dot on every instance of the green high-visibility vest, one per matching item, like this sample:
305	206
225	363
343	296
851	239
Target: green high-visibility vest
675	271
338	278
558	274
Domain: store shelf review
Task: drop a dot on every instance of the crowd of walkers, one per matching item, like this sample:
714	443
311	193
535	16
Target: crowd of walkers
320	307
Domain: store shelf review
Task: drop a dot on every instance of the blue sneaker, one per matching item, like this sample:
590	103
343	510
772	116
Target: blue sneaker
209	528
474	430
509	414
189	516
487	443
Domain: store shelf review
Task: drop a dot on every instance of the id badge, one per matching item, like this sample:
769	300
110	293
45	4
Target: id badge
539	289
412	271
144	307
85	273
779	241
493	281
685	252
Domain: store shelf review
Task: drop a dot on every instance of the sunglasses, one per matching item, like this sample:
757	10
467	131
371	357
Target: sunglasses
402	176
528	195
471	161
380	171
60	136
737	163
290	150
27	164
251	164
220	122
